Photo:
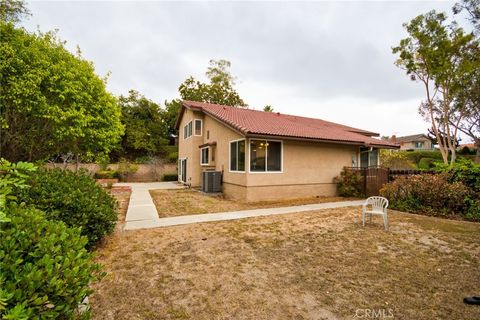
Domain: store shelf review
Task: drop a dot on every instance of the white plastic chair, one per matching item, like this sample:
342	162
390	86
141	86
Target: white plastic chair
378	205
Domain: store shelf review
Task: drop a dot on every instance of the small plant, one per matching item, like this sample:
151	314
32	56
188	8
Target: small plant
74	198
45	268
125	168
103	162
170	177
106	174
349	183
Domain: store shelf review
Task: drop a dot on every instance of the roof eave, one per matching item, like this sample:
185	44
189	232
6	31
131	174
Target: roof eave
180	113
333	141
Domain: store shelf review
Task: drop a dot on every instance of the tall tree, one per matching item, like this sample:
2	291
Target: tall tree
219	90
436	55
468	97
170	114
472	7
51	101
13	11
145	126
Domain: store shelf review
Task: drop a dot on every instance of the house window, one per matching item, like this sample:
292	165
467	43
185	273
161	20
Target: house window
237	155
265	156
368	157
198	127
204	154
419	144
187	130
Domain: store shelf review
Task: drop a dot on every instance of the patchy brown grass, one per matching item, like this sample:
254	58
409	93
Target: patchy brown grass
122	195
171	203
316	265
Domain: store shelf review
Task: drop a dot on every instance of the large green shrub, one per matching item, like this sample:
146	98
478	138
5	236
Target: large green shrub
74	198
45	269
394	159
416	156
349	183
468	173
426	163
431	194
464	171
13	177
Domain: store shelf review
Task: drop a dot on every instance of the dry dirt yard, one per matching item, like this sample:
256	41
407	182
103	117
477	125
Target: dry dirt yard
170	203
315	265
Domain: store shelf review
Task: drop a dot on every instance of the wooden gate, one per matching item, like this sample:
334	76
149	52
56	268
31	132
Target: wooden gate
372	179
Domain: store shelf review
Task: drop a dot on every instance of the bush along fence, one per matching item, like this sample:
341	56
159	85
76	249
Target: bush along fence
450	191
367	181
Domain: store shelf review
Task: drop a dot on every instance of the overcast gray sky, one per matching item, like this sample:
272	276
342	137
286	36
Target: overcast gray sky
328	60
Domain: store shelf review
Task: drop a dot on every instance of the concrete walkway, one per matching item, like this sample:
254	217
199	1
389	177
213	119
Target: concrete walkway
141	209
143	215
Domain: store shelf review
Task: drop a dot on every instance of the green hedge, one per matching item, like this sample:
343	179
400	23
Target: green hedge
45	270
74	198
426	163
464	171
416	156
106	174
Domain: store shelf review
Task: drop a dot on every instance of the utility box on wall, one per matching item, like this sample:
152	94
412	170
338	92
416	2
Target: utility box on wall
212	181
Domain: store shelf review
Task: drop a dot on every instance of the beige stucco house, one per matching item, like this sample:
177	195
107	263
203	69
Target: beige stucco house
413	142
267	155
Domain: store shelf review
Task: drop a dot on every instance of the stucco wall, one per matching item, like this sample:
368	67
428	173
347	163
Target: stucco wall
212	131
427	145
144	173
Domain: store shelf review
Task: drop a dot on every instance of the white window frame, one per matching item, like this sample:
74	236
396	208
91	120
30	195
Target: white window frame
266	156
201	127
185	130
230	156
201	156
368	152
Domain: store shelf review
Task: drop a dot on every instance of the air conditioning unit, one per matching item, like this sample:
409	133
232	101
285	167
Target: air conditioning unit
212	181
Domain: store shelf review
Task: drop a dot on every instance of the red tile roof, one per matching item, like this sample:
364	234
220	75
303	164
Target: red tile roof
252	122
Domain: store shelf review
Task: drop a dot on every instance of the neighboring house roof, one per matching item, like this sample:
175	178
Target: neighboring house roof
413	137
468	145
252	122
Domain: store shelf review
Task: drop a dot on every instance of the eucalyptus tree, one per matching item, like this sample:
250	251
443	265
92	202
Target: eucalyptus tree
437	54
